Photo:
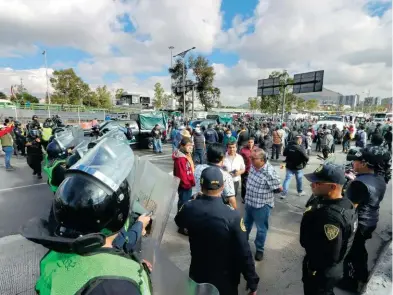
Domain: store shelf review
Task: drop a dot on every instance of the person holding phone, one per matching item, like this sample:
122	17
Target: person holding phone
234	163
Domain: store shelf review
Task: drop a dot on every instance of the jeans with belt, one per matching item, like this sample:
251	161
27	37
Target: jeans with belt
8	150
261	218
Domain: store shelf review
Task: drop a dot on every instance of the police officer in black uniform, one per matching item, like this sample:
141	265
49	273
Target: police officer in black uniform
366	192
327	230
218	238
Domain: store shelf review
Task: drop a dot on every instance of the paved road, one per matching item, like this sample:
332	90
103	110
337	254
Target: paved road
22	197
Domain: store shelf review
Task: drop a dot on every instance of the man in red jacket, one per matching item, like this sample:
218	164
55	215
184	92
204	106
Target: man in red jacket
183	168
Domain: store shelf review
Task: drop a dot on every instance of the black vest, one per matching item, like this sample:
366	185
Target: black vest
369	211
199	141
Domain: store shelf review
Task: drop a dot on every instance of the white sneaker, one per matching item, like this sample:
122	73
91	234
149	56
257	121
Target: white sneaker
282	197
301	194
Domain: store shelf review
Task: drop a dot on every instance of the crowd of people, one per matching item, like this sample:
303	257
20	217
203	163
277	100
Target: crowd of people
217	165
224	164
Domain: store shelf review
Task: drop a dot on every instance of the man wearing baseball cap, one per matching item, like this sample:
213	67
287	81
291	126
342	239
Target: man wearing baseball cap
327	230
366	191
218	239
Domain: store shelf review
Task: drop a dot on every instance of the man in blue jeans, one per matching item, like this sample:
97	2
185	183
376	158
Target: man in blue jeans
296	160
262	183
7	144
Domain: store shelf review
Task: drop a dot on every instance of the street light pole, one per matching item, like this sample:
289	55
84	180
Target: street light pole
183	55
47	81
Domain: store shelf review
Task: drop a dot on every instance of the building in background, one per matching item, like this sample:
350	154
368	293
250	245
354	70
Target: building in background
387	103
349	100
134	100
372	101
326	97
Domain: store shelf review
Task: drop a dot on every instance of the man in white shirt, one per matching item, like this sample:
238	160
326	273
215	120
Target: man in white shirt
234	164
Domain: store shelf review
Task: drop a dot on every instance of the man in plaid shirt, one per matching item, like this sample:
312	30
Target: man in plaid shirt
262	183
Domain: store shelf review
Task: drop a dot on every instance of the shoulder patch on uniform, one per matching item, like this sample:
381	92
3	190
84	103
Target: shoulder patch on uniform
331	231
318	169
307	209
242	226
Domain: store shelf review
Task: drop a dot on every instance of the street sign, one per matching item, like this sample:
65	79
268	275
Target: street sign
268	87
308	82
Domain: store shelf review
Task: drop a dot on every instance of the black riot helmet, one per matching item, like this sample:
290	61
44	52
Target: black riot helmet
95	196
34	133
55	151
17	124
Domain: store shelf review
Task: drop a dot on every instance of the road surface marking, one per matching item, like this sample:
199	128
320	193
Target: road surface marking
24	186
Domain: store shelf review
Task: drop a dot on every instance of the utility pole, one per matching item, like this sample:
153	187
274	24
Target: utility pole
171	49
283	104
47	81
183	55
193	99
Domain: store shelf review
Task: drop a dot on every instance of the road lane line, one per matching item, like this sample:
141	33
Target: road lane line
18	187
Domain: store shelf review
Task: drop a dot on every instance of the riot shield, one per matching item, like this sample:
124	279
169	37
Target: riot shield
78	134
114	133
82	148
65	139
110	161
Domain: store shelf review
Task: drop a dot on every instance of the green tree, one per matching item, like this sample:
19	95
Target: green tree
311	105
160	98
2	95
208	94
176	73
119	92
254	103
273	103
103	97
69	88
300	104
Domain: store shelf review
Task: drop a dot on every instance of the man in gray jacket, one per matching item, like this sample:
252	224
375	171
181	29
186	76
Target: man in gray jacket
326	142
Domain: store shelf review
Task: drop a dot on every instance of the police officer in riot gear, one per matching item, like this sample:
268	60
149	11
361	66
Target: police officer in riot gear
327	230
87	252
34	151
366	192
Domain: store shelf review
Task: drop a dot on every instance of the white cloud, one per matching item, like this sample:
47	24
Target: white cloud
33	79
338	36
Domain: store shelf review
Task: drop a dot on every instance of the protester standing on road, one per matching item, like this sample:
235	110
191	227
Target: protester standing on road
388	138
199	145
7	144
327	230
296	160
227	137
218	240
243	136
215	154
156	134
262	183
211	135
366	192
245	152
277	143
346	139
234	164
361	137
183	168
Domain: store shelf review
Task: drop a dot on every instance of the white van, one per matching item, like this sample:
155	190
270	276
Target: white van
6	104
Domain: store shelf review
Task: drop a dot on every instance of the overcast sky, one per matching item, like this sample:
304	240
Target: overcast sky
125	43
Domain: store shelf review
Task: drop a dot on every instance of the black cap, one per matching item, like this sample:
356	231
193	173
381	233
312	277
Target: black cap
212	178
327	173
